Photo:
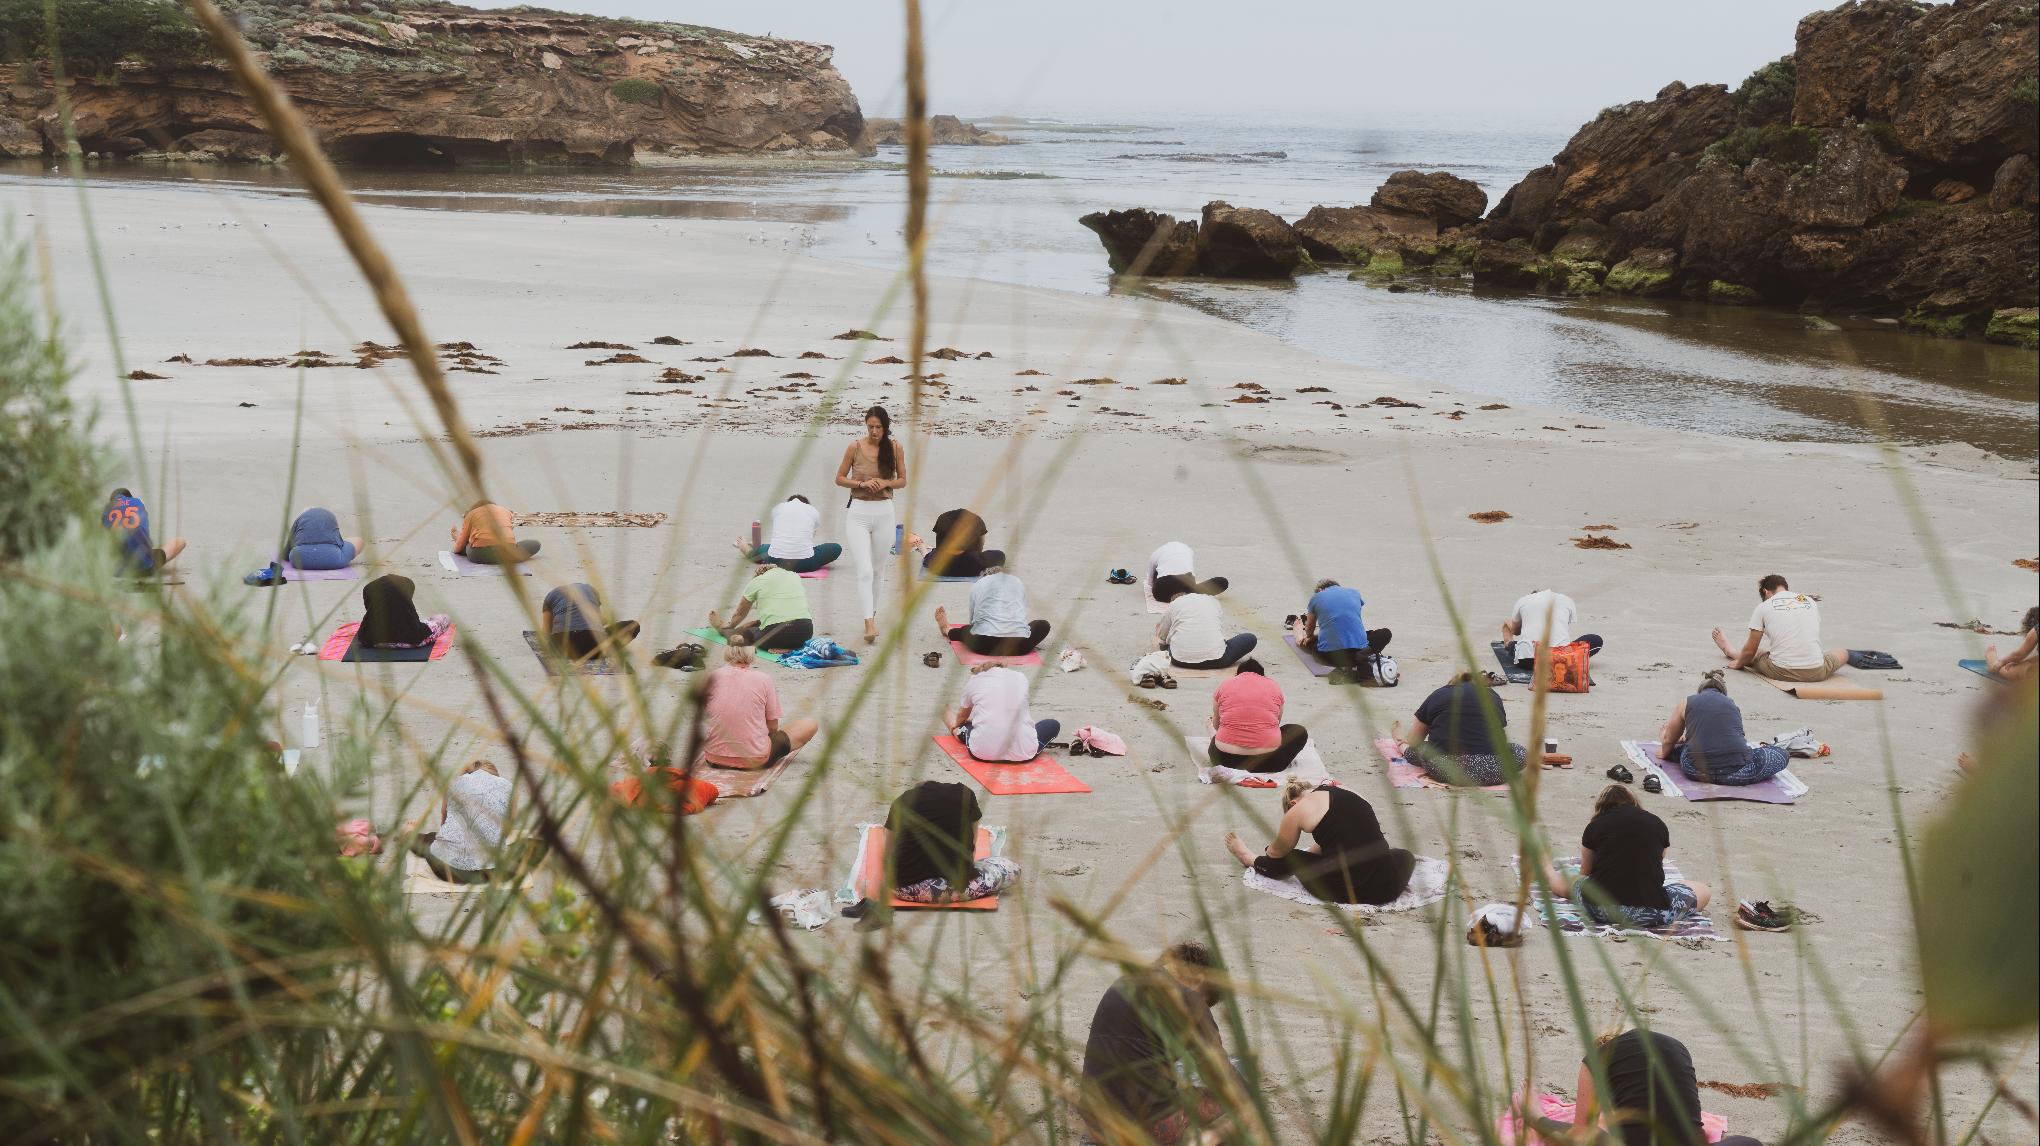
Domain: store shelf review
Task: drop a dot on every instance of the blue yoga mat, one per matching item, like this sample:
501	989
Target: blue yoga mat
1983	670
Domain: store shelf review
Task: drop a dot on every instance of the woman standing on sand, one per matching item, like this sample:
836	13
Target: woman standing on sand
873	466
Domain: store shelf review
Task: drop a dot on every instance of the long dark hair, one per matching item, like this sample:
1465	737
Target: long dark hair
887	466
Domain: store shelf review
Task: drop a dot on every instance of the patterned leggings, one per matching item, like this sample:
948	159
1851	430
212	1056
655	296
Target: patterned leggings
994	874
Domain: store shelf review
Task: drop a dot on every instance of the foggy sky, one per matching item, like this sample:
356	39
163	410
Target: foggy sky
1468	61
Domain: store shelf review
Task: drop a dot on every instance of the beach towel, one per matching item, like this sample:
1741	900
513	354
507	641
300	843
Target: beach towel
730	783
1308	765
1782	788
1147	593
1836	687
1041	776
1512	1131
1427	885
1982	669
1505	652
715	638
458	563
553	662
1404	774
971	658
1573	922
340	647
867	872
293	573
819	653
1316	666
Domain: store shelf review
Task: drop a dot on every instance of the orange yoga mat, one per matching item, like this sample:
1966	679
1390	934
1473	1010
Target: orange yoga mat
871	874
1041	776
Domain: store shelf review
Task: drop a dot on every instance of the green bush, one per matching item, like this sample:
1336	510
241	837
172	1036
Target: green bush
93	35
637	91
1791	146
1766	96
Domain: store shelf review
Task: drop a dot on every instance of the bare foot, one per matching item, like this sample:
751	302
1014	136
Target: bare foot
870	631
742	546
942	620
1238	848
715	620
1966	762
1721	642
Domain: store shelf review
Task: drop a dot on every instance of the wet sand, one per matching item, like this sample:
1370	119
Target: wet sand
1274	494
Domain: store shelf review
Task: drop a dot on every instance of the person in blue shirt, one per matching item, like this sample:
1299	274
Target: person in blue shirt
128	519
316	543
1335	634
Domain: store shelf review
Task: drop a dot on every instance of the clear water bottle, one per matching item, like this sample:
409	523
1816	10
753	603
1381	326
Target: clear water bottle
309	736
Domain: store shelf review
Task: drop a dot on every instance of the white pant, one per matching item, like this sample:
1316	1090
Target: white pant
868	536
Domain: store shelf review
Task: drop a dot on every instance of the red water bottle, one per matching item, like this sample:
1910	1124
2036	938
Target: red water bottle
757	538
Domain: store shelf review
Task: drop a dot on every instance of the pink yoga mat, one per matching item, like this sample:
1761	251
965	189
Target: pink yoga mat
1404	774
821	574
1041	776
1512	1131
336	646
971	658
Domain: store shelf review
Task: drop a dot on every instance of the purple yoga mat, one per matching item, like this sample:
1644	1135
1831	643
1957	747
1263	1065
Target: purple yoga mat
293	573
1776	790
1316	666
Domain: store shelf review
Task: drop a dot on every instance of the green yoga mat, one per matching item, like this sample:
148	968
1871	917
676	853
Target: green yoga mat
715	638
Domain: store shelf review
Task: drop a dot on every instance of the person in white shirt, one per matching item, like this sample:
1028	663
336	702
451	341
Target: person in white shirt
1528	622
1172	572
992	720
1791	622
1192	632
463	849
792	544
999	624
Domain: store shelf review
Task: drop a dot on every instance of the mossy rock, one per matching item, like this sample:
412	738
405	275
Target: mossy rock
1732	294
1938	323
637	91
1628	278
2015	326
1817	323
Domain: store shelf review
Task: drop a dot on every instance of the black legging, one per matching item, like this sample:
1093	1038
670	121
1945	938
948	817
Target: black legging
1167	589
1591	640
1353	660
774	638
501	554
820	558
584	643
421	846
1340	879
1275	759
1236	646
940	564
1037	632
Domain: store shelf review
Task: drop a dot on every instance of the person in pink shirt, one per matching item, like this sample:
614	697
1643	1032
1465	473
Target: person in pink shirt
743	715
1246	723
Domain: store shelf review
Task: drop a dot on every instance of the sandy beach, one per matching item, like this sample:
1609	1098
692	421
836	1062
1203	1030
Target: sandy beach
1083	467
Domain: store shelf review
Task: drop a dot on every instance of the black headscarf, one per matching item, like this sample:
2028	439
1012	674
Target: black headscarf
387	615
934	833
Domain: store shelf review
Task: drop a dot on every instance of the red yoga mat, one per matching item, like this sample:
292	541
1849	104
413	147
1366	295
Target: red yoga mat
1041	776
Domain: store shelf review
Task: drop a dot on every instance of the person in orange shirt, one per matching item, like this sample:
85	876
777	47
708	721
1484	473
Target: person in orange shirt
485	537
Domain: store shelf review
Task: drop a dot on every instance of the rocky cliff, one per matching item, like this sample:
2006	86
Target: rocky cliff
1887	165
409	81
943	131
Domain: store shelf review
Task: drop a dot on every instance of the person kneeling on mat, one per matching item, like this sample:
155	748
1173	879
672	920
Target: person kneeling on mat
1352	862
573	624
1172	572
792	545
1192	632
389	617
784	620
1705	735
1246	723
1543	617
992	721
741	715
1622	868
932	845
999	625
1459	736
487	535
960	547
1335	634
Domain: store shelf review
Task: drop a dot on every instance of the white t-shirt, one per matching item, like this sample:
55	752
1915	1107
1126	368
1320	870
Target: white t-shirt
998	607
1532	613
1791	621
793	530
1000	727
1171	559
1193	630
476	805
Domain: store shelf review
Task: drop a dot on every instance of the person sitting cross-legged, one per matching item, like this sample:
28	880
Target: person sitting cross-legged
784	621
999	625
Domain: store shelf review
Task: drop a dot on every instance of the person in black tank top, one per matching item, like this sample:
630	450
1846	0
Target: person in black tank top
1352	862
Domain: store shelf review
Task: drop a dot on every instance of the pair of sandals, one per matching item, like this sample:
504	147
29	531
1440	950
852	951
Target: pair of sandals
1120	577
267	578
1621	774
689	657
1157	680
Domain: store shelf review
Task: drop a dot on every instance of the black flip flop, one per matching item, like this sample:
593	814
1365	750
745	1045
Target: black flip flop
933	659
1652	784
1621	775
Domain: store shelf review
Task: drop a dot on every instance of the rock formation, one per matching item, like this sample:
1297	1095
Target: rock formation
1142	242
438	83
1885	166
1246	243
944	131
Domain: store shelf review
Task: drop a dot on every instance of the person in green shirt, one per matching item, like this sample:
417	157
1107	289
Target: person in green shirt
783	622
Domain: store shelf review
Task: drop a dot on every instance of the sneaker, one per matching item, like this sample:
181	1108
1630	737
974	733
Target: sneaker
1120	577
1759	916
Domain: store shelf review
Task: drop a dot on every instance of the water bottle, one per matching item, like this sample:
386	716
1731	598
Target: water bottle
899	536
310	733
757	536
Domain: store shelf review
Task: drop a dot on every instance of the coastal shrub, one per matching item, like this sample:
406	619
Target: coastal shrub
637	91
1766	96
93	35
46	472
1789	145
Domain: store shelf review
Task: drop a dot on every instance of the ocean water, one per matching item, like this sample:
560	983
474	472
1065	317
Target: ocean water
1010	213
